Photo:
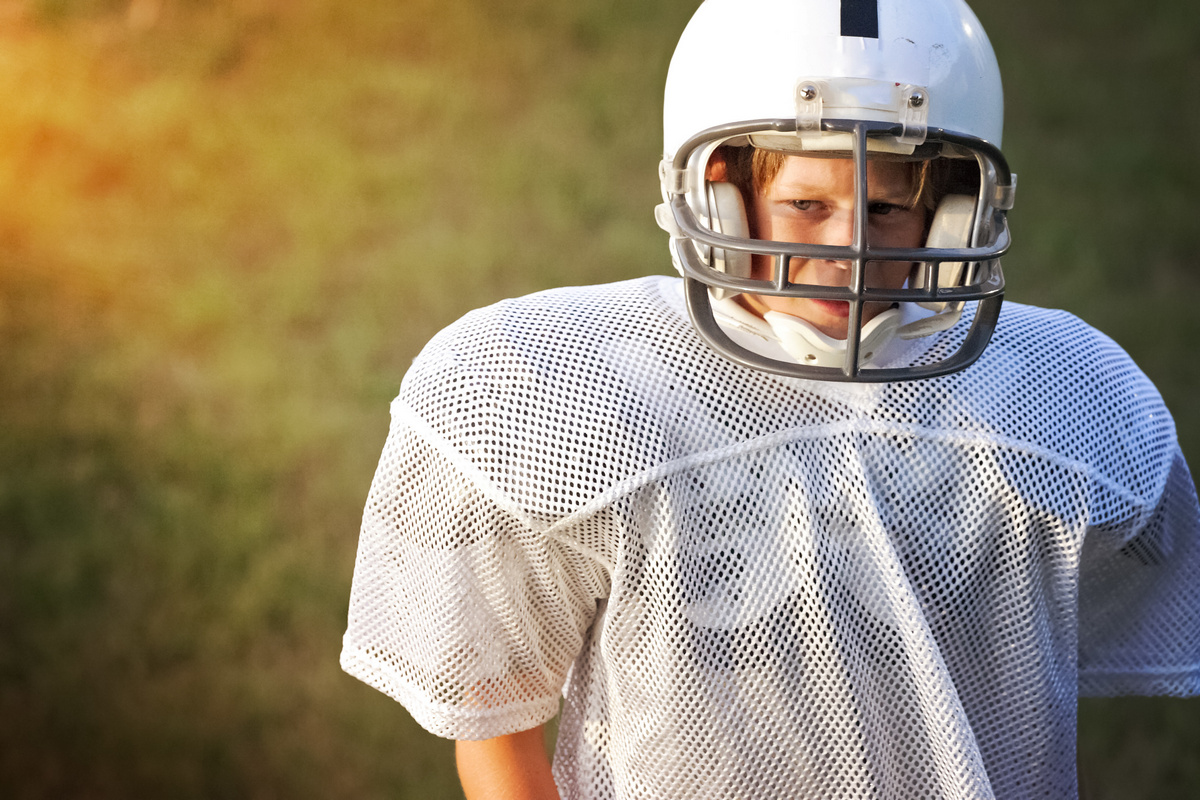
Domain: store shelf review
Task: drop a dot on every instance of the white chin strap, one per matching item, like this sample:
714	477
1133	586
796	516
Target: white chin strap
802	341
806	344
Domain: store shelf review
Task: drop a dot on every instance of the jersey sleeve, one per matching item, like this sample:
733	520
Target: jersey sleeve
463	609
1139	598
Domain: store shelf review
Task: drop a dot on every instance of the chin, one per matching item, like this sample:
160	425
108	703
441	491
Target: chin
829	317
832	331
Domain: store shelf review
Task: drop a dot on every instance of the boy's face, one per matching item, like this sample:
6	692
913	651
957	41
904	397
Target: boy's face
812	200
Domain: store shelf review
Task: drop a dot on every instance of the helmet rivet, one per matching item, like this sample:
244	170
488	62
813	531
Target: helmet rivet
916	99
808	92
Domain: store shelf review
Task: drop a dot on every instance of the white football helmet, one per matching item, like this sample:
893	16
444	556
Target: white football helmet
912	80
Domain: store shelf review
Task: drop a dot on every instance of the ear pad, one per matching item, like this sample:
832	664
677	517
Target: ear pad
727	215
951	228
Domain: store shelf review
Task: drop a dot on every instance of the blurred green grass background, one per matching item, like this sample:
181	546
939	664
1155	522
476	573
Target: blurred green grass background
228	225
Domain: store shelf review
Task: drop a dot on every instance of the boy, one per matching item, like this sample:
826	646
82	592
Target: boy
786	529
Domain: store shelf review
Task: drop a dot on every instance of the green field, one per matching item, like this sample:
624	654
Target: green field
226	227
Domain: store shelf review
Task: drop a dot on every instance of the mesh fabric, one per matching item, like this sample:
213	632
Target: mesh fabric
760	587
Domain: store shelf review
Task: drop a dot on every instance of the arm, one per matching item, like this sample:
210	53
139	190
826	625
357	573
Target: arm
513	767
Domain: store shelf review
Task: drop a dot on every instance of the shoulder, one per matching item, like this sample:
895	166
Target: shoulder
555	320
1052	382
540	396
1066	360
542	339
1053	334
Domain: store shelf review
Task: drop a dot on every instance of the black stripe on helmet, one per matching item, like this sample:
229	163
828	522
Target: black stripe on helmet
860	18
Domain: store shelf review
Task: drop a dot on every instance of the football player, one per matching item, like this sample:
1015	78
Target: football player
821	518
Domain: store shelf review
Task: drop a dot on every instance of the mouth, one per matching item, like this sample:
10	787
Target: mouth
834	308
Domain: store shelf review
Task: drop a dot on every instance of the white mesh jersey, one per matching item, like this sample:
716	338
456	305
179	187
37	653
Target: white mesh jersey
761	587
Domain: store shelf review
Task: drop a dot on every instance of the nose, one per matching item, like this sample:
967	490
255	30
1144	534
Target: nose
837	228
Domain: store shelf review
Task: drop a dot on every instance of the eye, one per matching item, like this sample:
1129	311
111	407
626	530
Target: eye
803	205
883	209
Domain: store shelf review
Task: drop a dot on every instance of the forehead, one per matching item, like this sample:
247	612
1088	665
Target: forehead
837	174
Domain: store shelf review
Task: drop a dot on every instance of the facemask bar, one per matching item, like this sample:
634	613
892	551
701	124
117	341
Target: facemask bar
986	284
